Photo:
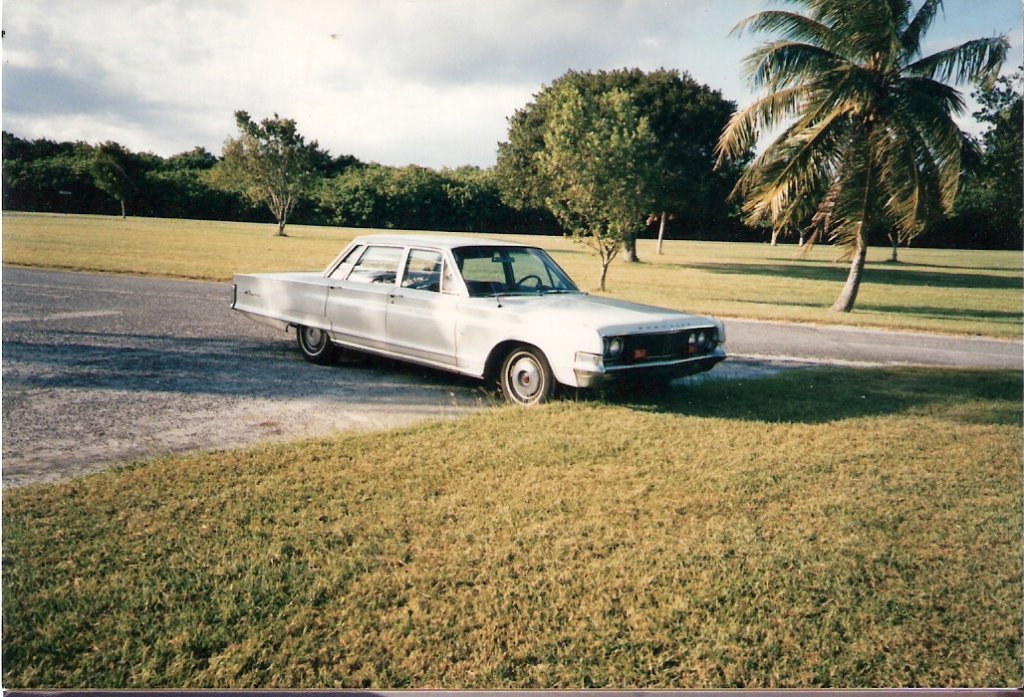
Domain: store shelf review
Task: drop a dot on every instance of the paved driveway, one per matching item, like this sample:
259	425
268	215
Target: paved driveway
100	369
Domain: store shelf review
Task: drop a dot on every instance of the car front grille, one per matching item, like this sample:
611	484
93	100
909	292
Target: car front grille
664	346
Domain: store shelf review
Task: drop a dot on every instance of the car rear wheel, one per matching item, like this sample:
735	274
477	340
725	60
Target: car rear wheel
526	377
315	345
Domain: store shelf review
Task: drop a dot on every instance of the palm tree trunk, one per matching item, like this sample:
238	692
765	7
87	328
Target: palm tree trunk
844	303
661	230
894	236
123	214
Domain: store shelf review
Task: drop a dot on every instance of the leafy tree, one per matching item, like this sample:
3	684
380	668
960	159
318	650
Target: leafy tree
474	200
1002	109
387	197
328	166
989	210
196	159
356	197
993	194
465	199
269	163
15	148
42	175
685	119
417	198
599	160
115	171
869	137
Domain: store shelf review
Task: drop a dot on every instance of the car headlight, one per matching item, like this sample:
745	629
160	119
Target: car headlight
613	346
702	340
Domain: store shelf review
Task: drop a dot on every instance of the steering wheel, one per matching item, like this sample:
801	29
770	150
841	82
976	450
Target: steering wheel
537	280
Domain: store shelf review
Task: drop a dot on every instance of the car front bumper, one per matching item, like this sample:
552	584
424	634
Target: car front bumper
590	376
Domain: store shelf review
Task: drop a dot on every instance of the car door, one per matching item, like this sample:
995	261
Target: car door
357	304
422	309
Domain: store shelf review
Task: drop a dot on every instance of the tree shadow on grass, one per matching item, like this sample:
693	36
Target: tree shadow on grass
1011	317
823	395
1008	269
872	274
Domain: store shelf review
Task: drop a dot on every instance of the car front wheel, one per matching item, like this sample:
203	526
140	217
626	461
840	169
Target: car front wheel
315	345
526	377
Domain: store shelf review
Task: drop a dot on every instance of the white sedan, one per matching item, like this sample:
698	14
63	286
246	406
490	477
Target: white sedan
488	309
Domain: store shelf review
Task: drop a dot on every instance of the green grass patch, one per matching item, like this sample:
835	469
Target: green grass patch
822	528
955	291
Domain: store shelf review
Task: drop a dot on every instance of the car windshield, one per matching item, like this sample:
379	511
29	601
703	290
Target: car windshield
494	270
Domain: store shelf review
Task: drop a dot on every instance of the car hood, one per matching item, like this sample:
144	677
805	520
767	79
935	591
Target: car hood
605	315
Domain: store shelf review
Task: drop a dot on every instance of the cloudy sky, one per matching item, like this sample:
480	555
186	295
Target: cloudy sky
428	82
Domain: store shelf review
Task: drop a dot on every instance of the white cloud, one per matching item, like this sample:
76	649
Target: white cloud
396	81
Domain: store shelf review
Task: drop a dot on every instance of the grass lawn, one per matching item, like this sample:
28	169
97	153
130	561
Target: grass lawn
960	292
822	528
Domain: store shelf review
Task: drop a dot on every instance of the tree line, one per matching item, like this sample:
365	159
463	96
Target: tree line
644	143
107	178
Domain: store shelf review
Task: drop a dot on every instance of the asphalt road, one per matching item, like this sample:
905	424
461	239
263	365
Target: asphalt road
777	341
99	369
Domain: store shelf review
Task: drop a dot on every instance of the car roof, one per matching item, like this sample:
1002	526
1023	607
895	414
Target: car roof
436	241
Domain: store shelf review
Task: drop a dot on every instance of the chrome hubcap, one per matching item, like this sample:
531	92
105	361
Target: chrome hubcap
313	337
526	377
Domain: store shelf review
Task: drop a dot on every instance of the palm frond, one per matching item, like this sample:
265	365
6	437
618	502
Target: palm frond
781	64
948	99
902	178
799	163
929	195
854	203
900	10
867	29
976	61
793	26
804	206
921	109
745	125
910	38
829	12
821	220
848	87
836	94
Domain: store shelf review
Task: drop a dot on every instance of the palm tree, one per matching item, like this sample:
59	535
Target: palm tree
868	138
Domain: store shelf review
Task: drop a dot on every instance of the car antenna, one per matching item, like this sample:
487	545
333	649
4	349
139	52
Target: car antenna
497	297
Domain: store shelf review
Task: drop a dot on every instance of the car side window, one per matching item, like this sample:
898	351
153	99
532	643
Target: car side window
377	265
342	269
422	271
449	284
